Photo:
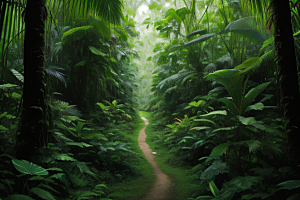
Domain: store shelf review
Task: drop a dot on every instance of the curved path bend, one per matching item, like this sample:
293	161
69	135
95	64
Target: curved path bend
162	185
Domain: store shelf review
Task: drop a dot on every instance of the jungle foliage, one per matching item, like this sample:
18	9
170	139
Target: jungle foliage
212	82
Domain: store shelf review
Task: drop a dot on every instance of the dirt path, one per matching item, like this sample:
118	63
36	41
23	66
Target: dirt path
162	186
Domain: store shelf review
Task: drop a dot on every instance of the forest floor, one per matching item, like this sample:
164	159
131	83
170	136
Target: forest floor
163	188
176	184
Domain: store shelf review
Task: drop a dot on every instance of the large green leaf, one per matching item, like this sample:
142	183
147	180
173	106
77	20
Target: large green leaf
96	51
26	167
201	128
230	105
289	185
101	28
200	32
220	149
217	112
225	128
199	39
75	34
253	35
243	23
8	85
3	115
214	189
3	128
42	193
257	106
80	144
63	157
205	120
232	81
251	95
251	121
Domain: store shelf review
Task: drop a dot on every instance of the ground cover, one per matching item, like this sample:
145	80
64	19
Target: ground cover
134	188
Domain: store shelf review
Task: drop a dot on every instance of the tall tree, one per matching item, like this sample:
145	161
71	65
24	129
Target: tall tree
280	18
33	129
288	74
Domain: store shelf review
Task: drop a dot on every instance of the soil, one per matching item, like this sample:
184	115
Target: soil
163	188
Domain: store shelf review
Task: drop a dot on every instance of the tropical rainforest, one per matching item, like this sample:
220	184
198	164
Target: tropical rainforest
218	81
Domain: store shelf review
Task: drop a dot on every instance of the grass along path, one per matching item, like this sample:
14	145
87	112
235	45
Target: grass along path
134	189
177	175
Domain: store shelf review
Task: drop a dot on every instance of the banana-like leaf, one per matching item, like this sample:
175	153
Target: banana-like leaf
96	51
26	167
230	105
243	23
253	35
200	128
217	112
289	185
8	85
232	81
225	129
80	144
199	39
200	32
251	121
251	95
214	189
205	120
42	193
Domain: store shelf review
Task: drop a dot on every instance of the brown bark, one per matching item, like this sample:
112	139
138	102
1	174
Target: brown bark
288	77
32	133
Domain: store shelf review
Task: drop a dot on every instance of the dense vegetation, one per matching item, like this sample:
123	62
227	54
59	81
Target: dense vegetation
218	80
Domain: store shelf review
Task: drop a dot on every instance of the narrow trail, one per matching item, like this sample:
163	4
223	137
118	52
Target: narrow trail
162	189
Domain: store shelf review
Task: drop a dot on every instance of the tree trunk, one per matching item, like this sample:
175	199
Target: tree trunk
288	77
33	130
